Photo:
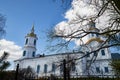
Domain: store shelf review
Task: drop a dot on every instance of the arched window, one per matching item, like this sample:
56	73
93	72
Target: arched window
73	66
53	67
98	69
45	68
106	69
61	68
38	68
26	41
103	52
33	54
24	53
34	42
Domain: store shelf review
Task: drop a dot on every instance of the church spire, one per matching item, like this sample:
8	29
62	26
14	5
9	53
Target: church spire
32	30
92	23
32	34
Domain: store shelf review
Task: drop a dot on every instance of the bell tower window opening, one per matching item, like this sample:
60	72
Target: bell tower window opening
34	42
92	23
24	53
26	41
103	52
92	34
97	35
33	54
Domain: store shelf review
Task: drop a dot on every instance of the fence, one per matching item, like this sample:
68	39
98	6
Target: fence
79	77
66	76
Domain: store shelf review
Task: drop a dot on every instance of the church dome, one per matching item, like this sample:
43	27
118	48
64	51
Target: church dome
94	39
31	34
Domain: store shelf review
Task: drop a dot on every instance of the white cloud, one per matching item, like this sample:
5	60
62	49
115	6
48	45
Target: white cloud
80	8
14	50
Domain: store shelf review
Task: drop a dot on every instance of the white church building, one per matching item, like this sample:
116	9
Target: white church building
45	65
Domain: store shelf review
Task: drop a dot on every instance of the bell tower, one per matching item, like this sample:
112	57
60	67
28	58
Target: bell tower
29	49
93	36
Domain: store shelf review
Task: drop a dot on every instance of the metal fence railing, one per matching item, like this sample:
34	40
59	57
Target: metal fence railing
79	77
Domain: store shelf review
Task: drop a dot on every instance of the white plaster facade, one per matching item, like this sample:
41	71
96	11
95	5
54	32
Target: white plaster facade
49	60
99	67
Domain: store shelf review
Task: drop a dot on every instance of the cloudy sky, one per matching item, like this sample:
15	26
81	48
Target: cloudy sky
20	16
44	14
80	9
11	47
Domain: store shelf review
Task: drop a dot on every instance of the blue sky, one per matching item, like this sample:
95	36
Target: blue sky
22	14
44	14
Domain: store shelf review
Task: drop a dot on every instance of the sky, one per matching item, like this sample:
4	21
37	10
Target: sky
21	15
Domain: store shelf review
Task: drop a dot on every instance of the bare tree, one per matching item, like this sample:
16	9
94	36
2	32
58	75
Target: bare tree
2	25
64	63
115	65
26	73
61	38
3	63
68	63
111	32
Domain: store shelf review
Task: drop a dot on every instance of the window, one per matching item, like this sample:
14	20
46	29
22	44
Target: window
26	41
92	34
73	66
28	67
24	53
92	24
97	35
88	54
106	69
33	54
103	52
97	69
53	67
61	68
95	53
38	68
34	42
45	68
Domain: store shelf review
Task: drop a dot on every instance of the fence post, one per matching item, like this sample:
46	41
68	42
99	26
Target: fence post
16	73
64	69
